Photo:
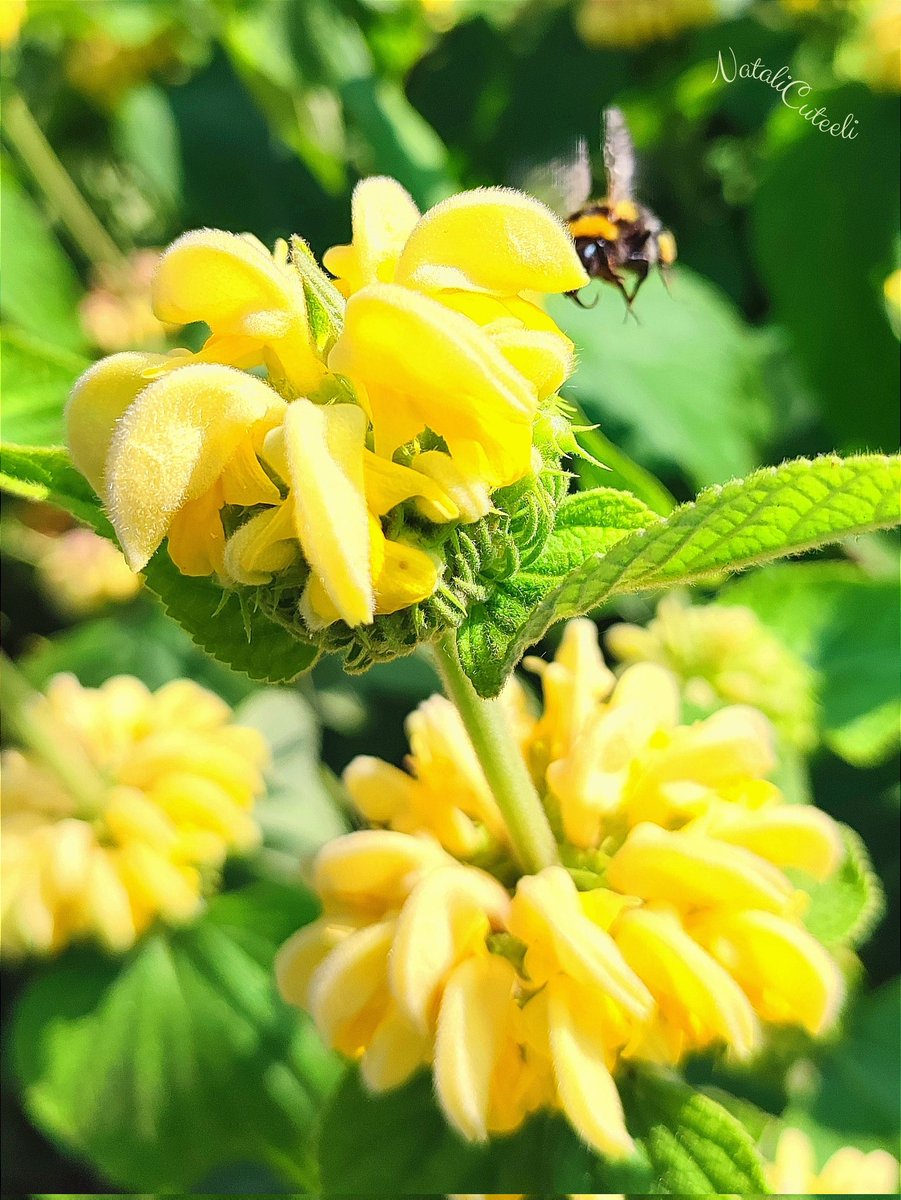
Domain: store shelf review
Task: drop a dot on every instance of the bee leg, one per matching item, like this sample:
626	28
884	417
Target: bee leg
581	303
639	267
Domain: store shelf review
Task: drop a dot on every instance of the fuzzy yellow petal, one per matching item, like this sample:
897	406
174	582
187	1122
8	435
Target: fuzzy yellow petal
547	916
173	443
468	495
396	1048
263	545
787	835
690	986
388	483
298	958
383	215
447	917
474	1021
99	398
348	990
407	576
196	535
373	870
324	448
234	285
545	358
695	871
436	369
789	977
587	1091
492	240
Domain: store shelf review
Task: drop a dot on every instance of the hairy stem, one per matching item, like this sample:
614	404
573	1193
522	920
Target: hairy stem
25	135
503	763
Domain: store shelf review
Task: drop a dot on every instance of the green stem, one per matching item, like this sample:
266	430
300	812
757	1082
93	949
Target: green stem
28	719
26	136
502	761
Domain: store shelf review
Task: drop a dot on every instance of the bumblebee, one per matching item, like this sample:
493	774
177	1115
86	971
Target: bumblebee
615	235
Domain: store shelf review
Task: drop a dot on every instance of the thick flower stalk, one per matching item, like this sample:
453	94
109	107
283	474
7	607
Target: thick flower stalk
723	654
670	927
120	811
362	460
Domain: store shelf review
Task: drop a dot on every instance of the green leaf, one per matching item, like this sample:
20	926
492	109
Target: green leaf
775	512
217	622
682	384
298	814
145	135
693	1143
586	526
398	1143
47	473
40	287
181	1057
245	641
845	909
845	625
37	378
858	1086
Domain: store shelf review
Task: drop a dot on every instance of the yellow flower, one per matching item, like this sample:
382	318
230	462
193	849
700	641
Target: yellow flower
672	927
81	572
849	1171
346	443
633	23
723	654
12	18
175	785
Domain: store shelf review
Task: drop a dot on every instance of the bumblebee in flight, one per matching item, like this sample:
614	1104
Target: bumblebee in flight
616	234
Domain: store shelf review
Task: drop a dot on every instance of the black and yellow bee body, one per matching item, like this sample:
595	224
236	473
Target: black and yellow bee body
615	237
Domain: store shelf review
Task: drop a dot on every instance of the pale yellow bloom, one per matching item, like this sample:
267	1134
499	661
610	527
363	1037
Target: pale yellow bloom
633	23
673	927
848	1171
891	291
82	572
424	393
176	782
12	18
724	654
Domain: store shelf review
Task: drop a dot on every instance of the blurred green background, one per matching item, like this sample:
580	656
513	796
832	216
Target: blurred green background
126	122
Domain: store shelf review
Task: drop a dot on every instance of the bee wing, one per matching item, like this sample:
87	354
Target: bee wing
564	183
619	156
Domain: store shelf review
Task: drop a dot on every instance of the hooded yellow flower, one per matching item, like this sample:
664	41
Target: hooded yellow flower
723	654
176	782
363	437
848	1172
672	927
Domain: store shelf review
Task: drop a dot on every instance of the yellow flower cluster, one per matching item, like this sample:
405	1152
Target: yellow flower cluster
724	654
423	392
670	928
175	785
633	23
849	1171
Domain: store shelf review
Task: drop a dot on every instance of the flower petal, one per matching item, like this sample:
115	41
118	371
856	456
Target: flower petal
372	871
446	918
693	990
383	215
233	284
545	358
417	360
388	483
324	449
348	991
468	495
587	1091
173	443
473	1026
99	398
492	240
396	1049
408	575
263	545
694	871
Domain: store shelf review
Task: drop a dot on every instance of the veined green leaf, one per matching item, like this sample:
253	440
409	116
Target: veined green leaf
246	641
774	512
846	908
693	1143
399	1144
586	526
181	1057
37	377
